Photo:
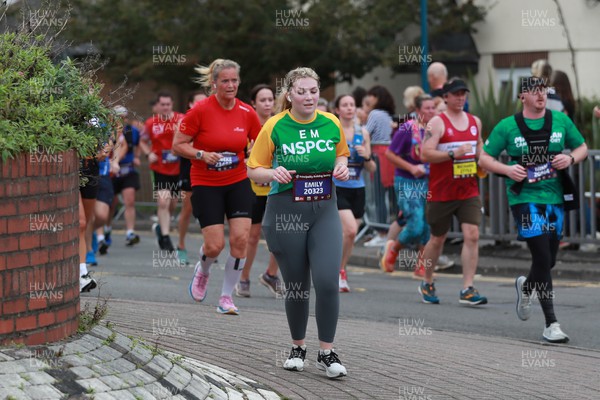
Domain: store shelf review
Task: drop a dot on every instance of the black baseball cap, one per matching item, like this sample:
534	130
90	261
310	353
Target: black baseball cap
530	83
454	86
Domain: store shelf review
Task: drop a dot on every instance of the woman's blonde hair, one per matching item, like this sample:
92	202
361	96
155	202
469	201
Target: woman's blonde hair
208	75
290	78
410	94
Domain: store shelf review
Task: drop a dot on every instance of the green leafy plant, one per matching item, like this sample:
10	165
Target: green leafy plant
490	108
584	120
55	107
88	318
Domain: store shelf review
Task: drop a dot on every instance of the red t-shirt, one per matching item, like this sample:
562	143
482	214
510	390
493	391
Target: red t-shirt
161	130
446	181
216	129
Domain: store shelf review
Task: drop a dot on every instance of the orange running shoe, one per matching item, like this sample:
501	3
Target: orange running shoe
387	263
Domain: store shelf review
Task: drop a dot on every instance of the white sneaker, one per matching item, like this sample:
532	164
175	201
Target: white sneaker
295	361
86	283
443	263
523	300
329	362
588	248
554	334
377	241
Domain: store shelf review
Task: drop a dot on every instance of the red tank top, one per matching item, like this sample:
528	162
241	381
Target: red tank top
452	180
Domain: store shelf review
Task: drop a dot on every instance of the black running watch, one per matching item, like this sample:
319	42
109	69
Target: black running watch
451	154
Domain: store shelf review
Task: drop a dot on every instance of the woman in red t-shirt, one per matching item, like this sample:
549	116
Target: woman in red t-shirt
214	135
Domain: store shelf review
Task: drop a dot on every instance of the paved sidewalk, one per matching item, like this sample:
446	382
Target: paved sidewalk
106	365
405	360
508	261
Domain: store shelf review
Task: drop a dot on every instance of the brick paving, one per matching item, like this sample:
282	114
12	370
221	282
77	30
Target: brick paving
385	361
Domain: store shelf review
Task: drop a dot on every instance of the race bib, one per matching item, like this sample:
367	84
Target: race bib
312	187
125	170
536	173
168	157
354	171
464	168
228	161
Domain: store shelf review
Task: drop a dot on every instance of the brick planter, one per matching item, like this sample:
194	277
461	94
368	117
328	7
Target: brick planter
39	261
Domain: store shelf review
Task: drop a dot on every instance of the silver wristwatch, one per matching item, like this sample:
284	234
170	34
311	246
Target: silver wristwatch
199	154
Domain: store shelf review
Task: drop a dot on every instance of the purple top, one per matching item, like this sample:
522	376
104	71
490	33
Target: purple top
401	146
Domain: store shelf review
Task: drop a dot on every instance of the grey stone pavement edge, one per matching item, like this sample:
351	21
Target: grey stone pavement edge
107	365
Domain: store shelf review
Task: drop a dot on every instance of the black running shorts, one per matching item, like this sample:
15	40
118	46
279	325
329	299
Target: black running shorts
258	209
166	182
105	190
88	178
351	199
211	203
131	180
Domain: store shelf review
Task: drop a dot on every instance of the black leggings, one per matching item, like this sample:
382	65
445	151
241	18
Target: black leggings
543	250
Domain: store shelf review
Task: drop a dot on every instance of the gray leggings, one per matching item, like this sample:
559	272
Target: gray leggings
306	238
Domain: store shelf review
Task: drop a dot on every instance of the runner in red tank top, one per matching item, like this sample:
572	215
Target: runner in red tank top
452	146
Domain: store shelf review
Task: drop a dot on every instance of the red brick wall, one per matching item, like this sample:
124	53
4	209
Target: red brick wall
39	261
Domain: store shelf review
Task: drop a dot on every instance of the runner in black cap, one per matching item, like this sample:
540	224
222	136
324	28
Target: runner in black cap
536	188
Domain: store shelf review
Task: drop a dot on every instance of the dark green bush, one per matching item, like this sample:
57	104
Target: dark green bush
47	105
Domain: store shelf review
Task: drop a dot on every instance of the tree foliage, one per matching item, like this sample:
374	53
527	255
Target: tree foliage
338	38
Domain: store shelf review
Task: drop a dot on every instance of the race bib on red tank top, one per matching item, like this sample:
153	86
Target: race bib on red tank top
455	179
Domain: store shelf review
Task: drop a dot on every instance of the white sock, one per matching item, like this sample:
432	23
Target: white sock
233	271
205	262
100	238
130	232
107	229
82	269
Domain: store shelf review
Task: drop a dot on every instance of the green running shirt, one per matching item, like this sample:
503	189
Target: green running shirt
305	147
507	136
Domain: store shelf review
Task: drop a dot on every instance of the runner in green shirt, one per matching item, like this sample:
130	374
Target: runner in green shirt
534	140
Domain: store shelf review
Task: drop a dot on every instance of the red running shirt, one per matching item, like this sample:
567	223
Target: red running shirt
161	131
443	185
218	130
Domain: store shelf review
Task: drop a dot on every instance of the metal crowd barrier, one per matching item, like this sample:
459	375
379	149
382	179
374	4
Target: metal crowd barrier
498	224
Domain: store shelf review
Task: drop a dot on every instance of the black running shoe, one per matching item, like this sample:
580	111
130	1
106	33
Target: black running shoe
165	244
102	247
